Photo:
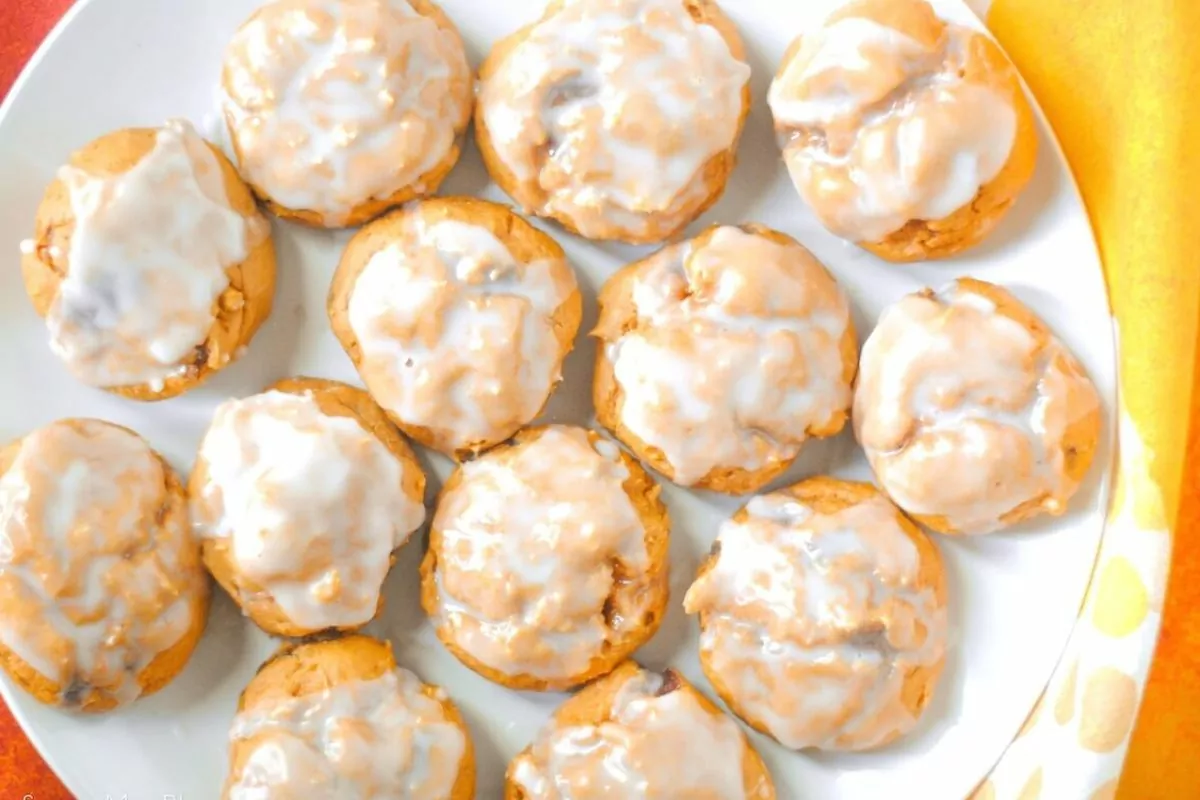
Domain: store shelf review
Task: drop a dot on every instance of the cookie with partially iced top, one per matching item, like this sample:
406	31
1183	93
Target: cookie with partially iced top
905	134
458	315
720	356
637	735
338	718
547	560
301	495
102	595
150	262
619	119
823	616
973	415
338	110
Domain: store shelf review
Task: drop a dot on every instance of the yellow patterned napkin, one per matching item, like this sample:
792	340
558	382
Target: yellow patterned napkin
1120	82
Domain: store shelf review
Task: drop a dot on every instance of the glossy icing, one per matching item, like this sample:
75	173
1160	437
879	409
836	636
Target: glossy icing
98	573
147	262
312	504
541	554
457	335
813	621
656	743
610	109
333	103
880	128
963	411
735	355
379	739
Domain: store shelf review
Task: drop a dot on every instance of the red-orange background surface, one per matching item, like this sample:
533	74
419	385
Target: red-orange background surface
1161	763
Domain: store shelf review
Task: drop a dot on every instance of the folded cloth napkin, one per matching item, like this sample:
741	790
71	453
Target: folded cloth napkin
1119	82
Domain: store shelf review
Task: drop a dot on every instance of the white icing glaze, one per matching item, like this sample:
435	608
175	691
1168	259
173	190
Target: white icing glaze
652	746
98	574
735	356
611	108
813	621
530	540
456	334
881	128
333	103
962	411
147	263
313	505
379	739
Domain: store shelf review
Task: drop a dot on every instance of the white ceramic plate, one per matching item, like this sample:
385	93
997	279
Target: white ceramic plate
1014	596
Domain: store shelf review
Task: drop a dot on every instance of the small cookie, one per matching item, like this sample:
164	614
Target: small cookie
341	109
150	262
619	119
458	315
972	414
300	496
636	734
338	718
907	135
547	560
102	596
721	355
823	616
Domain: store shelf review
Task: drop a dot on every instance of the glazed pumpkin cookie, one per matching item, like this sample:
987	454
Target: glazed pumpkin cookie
637	735
338	718
619	119
102	596
721	355
341	109
458	315
300	496
972	414
150	262
906	134
547	560
823	616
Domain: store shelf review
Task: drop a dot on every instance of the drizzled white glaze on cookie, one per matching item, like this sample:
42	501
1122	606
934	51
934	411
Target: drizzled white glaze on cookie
963	411
536	541
334	103
607	111
657	742
881	127
379	739
147	263
457	336
98	572
735	355
813	621
312	505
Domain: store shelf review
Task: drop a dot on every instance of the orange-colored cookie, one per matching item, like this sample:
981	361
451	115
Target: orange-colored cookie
101	589
458	315
973	415
648	735
547	560
618	119
150	262
325	718
339	110
823	616
906	134
301	495
720	356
